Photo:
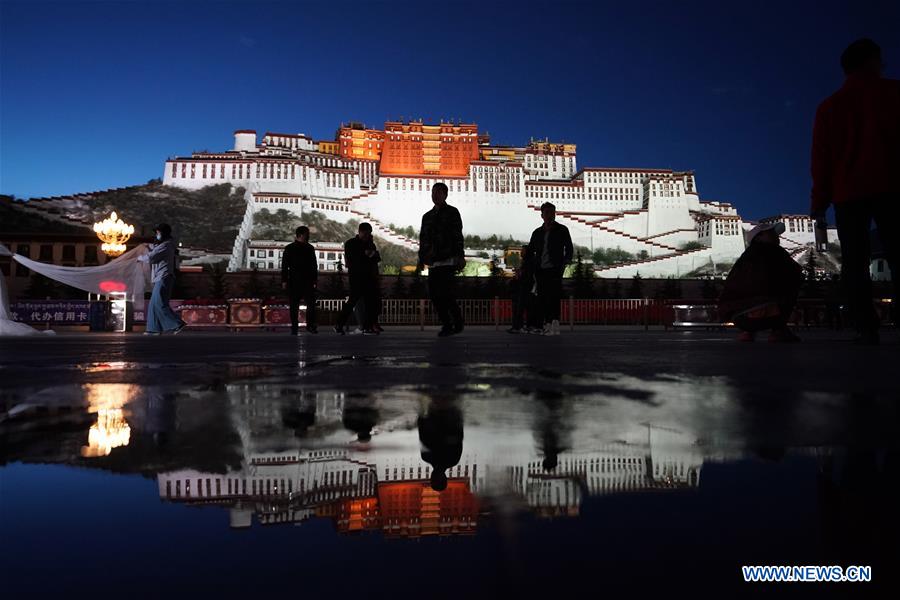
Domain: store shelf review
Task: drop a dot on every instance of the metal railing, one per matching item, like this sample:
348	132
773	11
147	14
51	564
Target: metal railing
498	311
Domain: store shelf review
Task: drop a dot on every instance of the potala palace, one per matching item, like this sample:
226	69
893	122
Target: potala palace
385	176
283	479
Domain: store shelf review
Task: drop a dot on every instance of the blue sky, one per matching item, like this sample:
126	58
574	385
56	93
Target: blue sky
96	95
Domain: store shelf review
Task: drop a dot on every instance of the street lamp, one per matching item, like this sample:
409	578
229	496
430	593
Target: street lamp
113	232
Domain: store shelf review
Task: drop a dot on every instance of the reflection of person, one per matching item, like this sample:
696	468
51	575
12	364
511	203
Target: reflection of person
160	416
762	287
441	435
299	274
362	258
360	417
299	417
552	251
855	161
441	249
160	316
552	432
857	499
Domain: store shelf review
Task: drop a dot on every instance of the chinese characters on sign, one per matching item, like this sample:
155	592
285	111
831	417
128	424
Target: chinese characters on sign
63	312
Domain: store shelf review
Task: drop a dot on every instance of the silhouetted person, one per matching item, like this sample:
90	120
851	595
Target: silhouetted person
299	276
441	249
855	162
441	435
524	301
360	417
362	258
160	316
552	247
762	288
299	418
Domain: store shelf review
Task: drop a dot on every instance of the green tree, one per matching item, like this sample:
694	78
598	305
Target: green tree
602	288
811	286
671	289
494	285
615	288
688	246
636	289
253	286
611	256
582	278
215	273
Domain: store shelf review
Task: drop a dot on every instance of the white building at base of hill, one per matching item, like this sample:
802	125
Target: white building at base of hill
650	213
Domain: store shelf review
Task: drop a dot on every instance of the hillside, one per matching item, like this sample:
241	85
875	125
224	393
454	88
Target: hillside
14	220
280	225
206	218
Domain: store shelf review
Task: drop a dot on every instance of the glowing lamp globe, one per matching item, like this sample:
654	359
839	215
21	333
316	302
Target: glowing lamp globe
108	287
113	232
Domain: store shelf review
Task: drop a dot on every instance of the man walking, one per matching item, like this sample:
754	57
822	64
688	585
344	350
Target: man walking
299	274
441	249
552	251
362	258
855	162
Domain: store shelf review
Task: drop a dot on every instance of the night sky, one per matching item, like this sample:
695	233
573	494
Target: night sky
96	95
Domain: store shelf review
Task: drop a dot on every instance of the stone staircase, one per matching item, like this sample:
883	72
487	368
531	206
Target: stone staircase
650	246
649	267
244	231
384	232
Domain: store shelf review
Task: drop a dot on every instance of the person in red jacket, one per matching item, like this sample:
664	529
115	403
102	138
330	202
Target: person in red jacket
856	167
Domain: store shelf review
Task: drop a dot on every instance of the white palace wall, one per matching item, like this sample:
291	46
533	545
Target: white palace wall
640	211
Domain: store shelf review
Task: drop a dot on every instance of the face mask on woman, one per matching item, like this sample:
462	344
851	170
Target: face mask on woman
158	237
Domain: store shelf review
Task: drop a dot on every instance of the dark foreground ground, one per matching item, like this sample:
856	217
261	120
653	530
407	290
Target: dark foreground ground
825	361
599	461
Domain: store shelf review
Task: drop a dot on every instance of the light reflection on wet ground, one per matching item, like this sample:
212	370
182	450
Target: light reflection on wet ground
483	464
448	473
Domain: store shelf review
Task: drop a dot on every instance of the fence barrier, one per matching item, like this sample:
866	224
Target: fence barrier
645	312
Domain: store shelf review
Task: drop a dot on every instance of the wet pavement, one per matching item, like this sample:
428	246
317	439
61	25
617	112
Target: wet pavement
484	465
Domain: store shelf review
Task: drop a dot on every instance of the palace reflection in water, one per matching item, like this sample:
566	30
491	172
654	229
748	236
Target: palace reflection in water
392	482
405	462
526	482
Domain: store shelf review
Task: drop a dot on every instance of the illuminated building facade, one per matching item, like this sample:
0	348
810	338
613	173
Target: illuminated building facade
385	177
355	140
416	148
385	485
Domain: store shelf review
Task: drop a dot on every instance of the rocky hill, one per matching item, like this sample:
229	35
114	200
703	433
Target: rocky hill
280	225
207	218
